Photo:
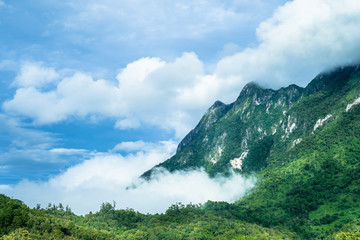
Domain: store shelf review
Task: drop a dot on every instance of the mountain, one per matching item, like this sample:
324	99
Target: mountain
262	124
312	180
302	144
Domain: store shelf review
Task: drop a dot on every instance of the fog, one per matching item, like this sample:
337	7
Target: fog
106	177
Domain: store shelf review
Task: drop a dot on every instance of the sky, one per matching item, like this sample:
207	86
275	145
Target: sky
94	93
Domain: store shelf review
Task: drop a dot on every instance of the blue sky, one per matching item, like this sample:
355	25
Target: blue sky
89	80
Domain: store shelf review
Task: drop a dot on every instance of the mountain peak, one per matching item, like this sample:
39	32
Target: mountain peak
217	104
244	134
332	79
250	89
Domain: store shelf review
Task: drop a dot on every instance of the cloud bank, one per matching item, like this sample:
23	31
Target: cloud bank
301	39
147	91
106	176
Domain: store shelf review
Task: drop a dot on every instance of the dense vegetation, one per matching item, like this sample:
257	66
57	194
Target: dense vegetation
302	143
179	222
313	189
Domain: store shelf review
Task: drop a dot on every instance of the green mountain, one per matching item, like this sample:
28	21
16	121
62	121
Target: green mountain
303	145
262	124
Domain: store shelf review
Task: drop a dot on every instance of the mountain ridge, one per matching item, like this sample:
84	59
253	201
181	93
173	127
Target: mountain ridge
256	117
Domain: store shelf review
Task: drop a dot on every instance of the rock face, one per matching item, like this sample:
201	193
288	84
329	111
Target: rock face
244	135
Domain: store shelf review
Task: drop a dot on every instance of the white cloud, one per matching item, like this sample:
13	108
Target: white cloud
35	75
201	93
157	96
194	186
137	71
105	177
180	73
81	95
41	107
78	95
150	91
301	39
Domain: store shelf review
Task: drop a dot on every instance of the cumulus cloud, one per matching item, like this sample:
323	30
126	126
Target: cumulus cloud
34	74
299	40
157	97
106	177
78	95
170	95
154	82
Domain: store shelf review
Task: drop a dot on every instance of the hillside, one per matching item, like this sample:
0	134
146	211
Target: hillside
312	185
303	145
261	124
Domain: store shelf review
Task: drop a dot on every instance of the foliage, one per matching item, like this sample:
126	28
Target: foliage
191	221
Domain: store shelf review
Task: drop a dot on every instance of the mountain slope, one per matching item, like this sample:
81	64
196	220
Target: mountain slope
262	123
303	144
313	188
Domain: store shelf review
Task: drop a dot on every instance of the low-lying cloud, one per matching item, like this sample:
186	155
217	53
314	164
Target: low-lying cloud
107	177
